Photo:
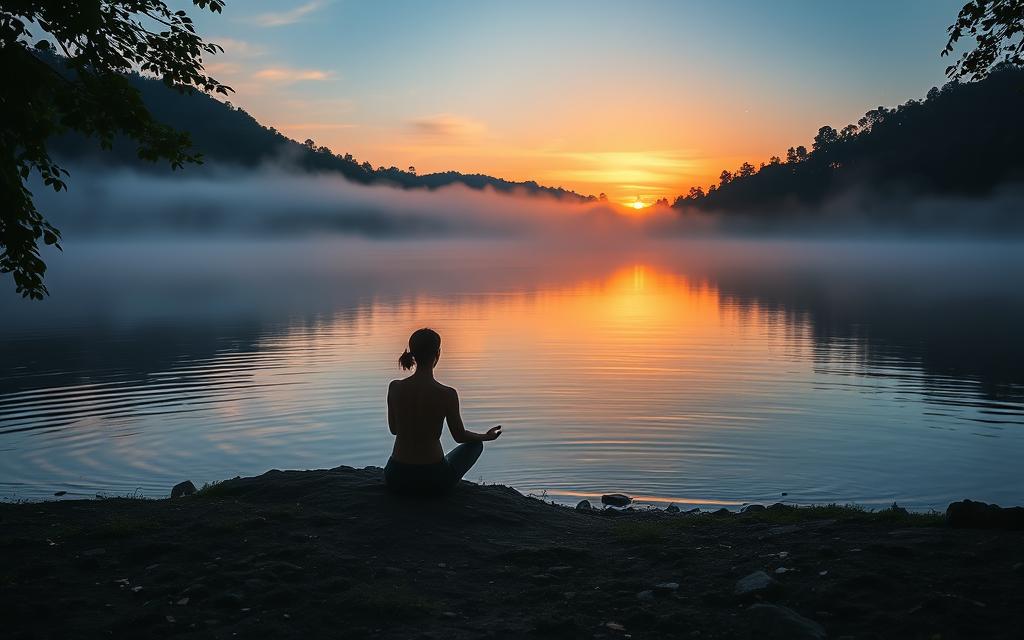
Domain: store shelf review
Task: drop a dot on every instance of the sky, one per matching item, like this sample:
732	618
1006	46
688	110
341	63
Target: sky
639	99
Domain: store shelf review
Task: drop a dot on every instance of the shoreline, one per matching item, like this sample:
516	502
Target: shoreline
331	553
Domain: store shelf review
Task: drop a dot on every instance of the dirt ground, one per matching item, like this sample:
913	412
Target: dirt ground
329	554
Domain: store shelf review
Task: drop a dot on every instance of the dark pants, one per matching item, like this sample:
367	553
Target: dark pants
432	479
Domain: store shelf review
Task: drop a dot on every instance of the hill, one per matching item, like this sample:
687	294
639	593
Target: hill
961	140
228	135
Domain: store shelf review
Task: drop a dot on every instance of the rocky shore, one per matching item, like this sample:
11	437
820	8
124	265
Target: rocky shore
330	554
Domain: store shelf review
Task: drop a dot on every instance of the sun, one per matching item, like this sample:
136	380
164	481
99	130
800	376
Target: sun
638	205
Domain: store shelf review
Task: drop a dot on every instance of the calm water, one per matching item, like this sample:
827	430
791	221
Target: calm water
713	373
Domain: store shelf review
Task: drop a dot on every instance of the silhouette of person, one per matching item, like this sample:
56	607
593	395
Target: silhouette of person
417	409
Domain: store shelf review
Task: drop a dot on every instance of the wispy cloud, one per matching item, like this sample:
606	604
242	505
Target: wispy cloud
282	18
287	74
239	48
448	127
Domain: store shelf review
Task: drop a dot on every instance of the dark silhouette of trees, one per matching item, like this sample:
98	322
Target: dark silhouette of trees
86	90
937	146
993	24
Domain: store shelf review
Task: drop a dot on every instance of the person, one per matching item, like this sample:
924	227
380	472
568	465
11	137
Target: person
418	406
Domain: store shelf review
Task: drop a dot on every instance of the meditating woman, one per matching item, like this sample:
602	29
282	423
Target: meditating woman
417	408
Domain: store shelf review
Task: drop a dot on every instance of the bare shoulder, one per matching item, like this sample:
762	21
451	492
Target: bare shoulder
448	393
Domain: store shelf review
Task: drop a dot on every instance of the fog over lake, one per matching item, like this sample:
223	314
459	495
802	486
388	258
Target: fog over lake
706	371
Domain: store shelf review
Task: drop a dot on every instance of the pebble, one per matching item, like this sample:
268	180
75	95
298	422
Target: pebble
756	583
616	499
645	596
182	489
666	586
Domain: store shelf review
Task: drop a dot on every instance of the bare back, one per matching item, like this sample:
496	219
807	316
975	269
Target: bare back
417	408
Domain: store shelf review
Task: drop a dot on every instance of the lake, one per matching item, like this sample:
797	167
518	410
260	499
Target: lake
704	372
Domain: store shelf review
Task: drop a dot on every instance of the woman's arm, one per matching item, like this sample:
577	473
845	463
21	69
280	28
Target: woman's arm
392	419
459	432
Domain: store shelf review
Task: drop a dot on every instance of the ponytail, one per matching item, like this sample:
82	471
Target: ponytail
406	360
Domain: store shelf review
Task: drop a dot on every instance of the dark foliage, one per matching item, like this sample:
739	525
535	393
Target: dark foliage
84	90
963	139
997	27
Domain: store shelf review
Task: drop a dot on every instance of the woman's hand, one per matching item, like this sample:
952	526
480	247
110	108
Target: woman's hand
492	434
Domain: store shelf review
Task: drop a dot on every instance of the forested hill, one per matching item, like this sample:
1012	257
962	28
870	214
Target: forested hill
225	134
965	139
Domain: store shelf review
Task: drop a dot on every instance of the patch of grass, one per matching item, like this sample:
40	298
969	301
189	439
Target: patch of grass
215	489
893	514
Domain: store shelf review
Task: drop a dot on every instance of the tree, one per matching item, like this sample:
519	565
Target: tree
746	170
774	161
826	138
661	202
725	177
602	197
83	88
993	24
695	193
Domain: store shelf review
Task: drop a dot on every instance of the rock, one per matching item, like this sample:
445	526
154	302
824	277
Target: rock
60	493
756	583
753	508
694	511
183	489
92	553
722	512
583	505
968	514
393	571
773	621
672	508
781	506
645	596
666	587
616	500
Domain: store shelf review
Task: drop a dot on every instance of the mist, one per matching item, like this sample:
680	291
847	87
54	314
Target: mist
277	201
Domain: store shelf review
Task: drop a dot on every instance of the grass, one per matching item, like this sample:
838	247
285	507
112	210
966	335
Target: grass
651	532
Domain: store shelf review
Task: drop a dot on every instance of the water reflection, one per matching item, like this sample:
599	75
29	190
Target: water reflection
711	373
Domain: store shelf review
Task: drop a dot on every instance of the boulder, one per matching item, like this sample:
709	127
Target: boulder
752	508
183	489
968	514
757	583
584	505
772	621
672	508
616	500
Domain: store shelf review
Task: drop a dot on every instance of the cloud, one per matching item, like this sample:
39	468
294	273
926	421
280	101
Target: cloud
448	127
239	48
287	74
282	18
